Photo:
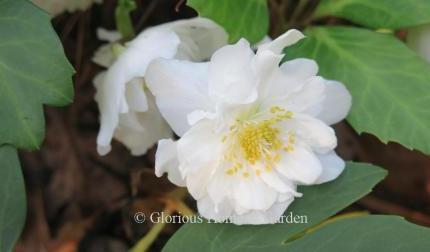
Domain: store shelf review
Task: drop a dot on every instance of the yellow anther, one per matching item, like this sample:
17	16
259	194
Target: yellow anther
289	148
258	172
230	172
245	174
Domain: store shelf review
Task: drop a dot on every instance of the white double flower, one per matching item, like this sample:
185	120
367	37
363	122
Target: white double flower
127	110
250	129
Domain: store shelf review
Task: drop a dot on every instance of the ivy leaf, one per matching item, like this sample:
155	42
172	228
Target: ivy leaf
240	18
389	83
366	233
378	14
317	204
33	71
12	198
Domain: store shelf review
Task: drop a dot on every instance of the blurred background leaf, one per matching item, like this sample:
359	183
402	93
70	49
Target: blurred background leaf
378	14
240	18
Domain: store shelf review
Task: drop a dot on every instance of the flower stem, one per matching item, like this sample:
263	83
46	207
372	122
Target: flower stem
143	244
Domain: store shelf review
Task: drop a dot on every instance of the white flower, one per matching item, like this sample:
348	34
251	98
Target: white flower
251	130
55	7
127	111
419	40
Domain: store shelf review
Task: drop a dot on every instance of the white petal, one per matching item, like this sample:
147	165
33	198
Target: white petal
180	87
288	38
252	193
419	40
290	77
269	216
301	166
199	147
231	77
336	103
135	95
104	56
332	166
220	186
131	63
300	68
273	180
308	99
166	161
200	38
208	209
197	181
317	135
140	131
106	35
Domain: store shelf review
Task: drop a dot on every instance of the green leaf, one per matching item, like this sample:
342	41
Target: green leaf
318	203
367	233
123	19
33	71
240	18
12	198
389	83
392	14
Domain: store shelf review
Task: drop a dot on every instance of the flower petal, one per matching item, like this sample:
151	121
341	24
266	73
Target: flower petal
308	98
231	77
207	209
131	63
166	161
301	166
281	82
135	95
258	217
253	194
180	87
332	166
140	131
199	147
288	38
315	133
273	180
200	38
336	103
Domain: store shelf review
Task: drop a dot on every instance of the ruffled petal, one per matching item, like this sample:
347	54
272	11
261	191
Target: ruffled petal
315	133
281	82
199	147
308	98
277	45
207	209
300	166
253	194
166	161
271	215
336	103
180	87
332	166
135	95
131	63
231	76
140	131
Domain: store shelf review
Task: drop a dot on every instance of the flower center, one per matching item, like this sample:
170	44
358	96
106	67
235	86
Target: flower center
257	143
